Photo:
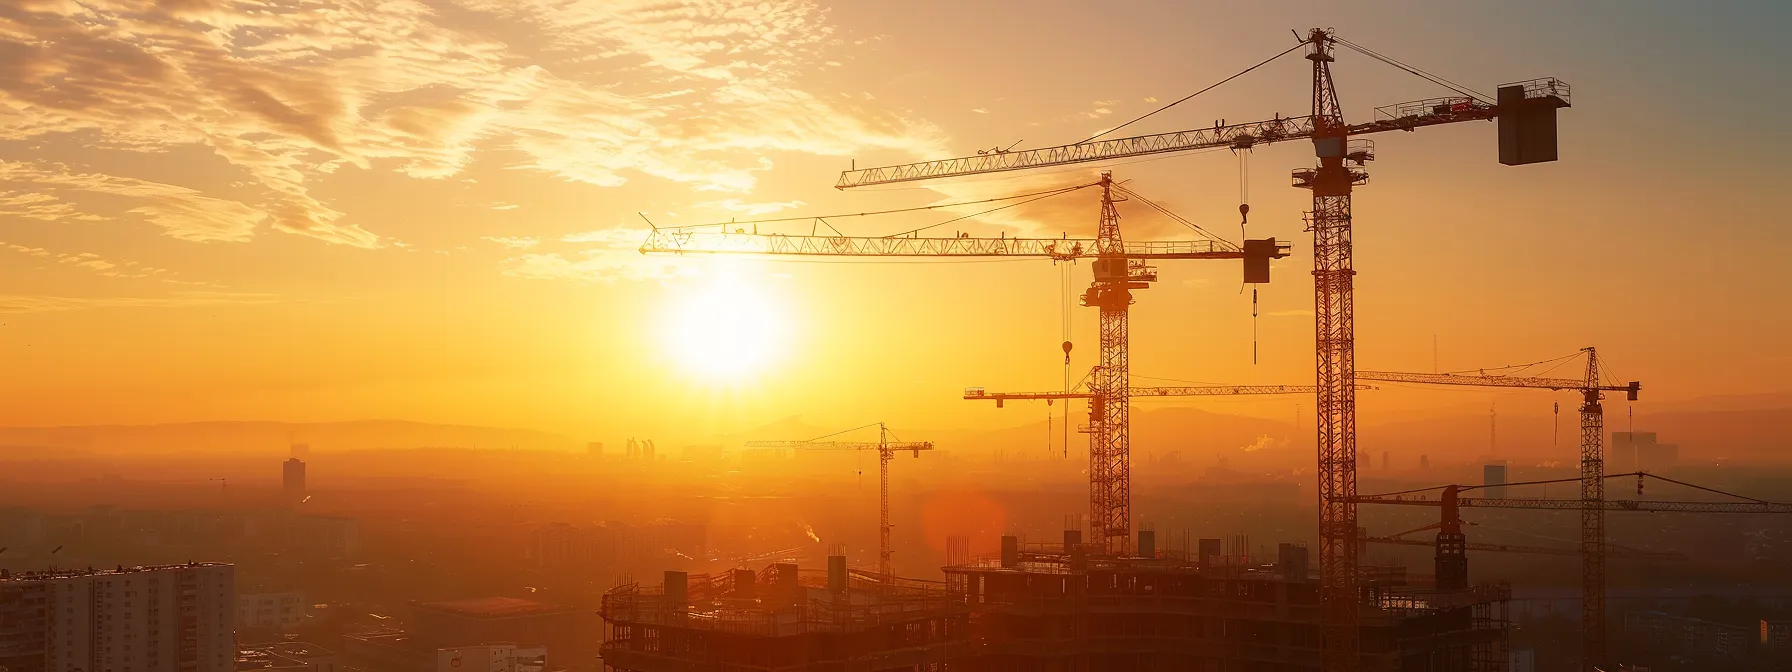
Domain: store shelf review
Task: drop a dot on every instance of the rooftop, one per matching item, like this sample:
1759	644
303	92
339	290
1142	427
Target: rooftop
57	573
281	655
494	607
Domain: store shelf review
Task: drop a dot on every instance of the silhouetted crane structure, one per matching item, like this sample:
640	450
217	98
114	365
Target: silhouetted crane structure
1526	112
1450	545
1526	115
1592	475
1120	268
1087	391
886	451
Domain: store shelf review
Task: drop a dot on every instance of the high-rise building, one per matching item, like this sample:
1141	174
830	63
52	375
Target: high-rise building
169	618
1641	450
292	479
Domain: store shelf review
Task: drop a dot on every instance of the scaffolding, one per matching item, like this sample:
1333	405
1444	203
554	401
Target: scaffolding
783	619
1040	609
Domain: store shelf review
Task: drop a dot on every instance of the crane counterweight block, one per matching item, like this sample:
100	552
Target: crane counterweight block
1257	254
1527	119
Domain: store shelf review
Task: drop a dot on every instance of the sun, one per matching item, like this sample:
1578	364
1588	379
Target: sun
725	330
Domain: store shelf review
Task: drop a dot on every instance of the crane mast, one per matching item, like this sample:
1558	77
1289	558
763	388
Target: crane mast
1110	449
1592	517
1335	363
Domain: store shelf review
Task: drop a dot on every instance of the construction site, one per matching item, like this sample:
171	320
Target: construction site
1108	595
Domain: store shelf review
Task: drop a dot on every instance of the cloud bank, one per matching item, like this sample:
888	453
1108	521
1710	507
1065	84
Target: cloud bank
288	92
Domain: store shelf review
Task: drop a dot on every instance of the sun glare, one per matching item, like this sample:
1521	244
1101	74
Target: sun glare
725	330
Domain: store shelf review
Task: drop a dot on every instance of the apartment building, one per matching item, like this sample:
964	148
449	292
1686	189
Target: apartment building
170	618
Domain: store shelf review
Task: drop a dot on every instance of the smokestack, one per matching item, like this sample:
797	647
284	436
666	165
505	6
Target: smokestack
837	573
1010	550
1147	543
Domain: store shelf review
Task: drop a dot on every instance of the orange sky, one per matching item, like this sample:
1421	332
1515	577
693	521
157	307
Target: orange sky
426	210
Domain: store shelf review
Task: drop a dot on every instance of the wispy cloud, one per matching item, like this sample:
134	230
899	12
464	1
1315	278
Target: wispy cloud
46	191
113	268
50	304
748	208
699	92
515	242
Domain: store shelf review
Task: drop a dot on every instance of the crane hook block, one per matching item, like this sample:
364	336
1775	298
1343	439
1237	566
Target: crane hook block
1244	213
1067	347
1257	254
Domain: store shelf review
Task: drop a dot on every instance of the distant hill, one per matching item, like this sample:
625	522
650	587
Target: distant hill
272	437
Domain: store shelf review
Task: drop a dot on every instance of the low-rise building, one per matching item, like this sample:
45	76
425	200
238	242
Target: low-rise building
285	657
1686	636
270	610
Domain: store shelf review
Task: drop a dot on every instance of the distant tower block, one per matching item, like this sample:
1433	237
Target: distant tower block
292	479
1424	461
1384	459
1494	477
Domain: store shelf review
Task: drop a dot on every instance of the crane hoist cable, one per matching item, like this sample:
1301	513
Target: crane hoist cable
1244	218
1065	315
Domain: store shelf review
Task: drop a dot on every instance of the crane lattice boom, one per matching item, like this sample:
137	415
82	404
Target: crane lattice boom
1577	504
1612	551
1401	117
680	241
1493	381
978	393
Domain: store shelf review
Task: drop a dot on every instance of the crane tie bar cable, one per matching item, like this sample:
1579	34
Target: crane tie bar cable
1051	192
1040	196
1210	87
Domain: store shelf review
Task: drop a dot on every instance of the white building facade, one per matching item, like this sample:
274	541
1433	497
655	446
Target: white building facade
171	618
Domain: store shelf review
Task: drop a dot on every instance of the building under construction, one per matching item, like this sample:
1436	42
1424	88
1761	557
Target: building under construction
784	618
1050	608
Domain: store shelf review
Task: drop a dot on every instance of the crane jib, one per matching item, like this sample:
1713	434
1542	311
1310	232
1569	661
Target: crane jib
1526	111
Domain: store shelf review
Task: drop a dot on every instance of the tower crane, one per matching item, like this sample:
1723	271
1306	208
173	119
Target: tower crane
886	451
1526	112
1120	268
1450	557
1592	475
1592	631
